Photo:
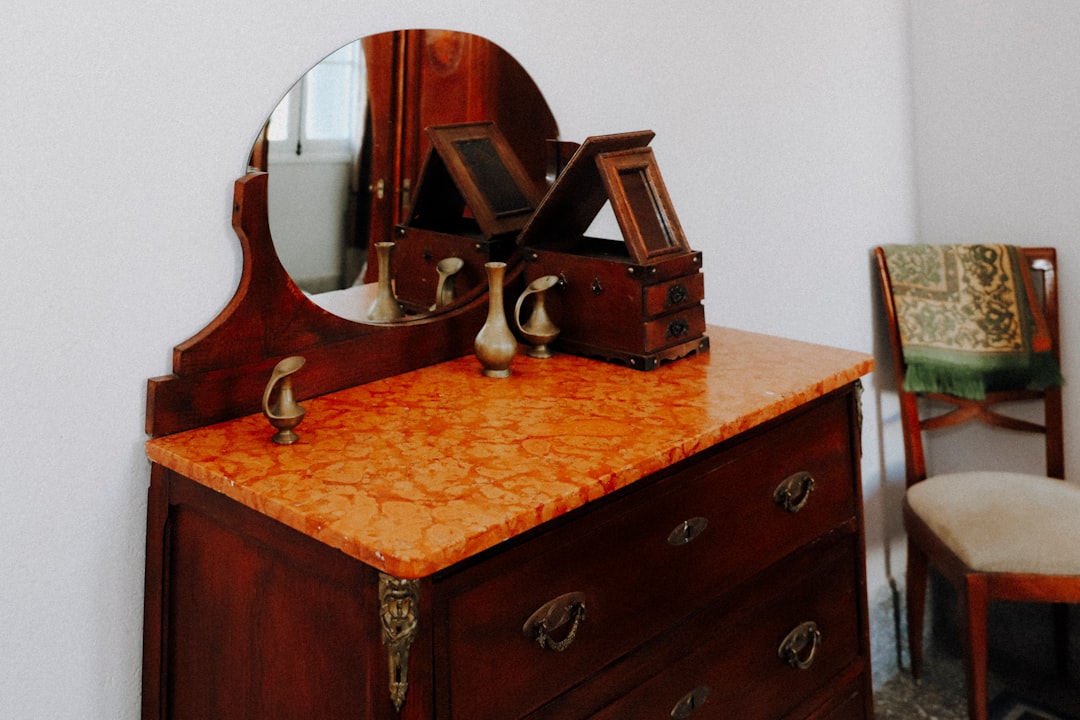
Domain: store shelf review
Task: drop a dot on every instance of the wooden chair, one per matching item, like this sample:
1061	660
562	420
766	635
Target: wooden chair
993	535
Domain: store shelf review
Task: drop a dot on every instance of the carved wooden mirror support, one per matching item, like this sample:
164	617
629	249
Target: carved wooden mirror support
220	373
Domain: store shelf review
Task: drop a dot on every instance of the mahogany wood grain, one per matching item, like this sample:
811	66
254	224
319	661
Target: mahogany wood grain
735	642
657	583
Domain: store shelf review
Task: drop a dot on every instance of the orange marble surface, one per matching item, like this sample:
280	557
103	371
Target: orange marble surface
414	473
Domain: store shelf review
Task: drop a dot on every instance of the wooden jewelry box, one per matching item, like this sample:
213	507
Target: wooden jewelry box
472	199
635	301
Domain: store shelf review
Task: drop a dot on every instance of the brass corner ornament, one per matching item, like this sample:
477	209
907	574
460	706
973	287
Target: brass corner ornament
399	602
859	408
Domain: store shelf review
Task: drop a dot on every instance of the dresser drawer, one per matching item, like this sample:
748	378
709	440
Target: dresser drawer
670	329
642	563
727	663
848	705
672	295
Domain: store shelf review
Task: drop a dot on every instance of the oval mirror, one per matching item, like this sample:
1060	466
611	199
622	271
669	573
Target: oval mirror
345	147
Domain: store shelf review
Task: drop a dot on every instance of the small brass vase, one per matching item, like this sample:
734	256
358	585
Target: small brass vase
538	331
495	344
447	270
385	307
278	404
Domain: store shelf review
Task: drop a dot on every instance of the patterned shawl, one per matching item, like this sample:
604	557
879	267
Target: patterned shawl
969	323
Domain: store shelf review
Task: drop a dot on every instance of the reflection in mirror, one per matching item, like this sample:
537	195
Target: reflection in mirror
652	223
313	140
345	147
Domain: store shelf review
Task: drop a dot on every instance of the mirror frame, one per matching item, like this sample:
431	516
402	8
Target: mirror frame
636	215
472	175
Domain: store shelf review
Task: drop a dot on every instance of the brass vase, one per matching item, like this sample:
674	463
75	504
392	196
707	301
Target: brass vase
278	403
538	331
385	307
447	269
495	344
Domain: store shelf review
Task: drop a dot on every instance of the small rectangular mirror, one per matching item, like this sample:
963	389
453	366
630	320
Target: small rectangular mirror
641	203
487	174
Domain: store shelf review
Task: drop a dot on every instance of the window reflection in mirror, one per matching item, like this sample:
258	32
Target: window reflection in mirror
319	118
314	138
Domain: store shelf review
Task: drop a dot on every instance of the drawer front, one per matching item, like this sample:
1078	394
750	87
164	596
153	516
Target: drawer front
728	663
644	562
674	328
673	295
850	706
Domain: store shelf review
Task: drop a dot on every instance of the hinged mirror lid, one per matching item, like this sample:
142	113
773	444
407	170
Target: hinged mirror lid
622	169
472	181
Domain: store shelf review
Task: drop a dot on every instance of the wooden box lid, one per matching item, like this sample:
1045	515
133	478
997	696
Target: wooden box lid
472	182
619	168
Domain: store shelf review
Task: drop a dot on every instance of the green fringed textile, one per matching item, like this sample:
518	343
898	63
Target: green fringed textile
969	323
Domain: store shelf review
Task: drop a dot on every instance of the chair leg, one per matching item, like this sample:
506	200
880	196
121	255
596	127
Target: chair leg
916	606
974	605
1061	639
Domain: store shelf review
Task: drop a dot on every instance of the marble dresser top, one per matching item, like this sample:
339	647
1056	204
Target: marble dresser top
416	472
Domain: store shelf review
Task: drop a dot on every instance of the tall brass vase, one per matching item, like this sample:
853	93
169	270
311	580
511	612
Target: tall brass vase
495	344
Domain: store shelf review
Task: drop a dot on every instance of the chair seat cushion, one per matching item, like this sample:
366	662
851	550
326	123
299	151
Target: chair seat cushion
1003	522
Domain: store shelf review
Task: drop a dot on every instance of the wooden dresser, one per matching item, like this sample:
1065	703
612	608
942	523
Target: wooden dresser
579	540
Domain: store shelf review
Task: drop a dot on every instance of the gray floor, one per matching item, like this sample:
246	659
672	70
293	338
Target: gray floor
1021	662
939	694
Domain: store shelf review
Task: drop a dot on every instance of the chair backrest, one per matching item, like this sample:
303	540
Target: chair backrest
1042	263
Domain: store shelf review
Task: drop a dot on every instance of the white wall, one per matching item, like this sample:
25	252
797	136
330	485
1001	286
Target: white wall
783	132
307	204
997	99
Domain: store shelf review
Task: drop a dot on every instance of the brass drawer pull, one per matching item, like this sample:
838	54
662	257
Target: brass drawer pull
687	530
677	328
794	491
690	702
568	608
800	645
677	294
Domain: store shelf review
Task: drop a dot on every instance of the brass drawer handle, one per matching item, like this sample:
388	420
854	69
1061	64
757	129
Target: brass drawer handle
677	294
794	491
690	702
677	328
568	608
800	645
687	530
